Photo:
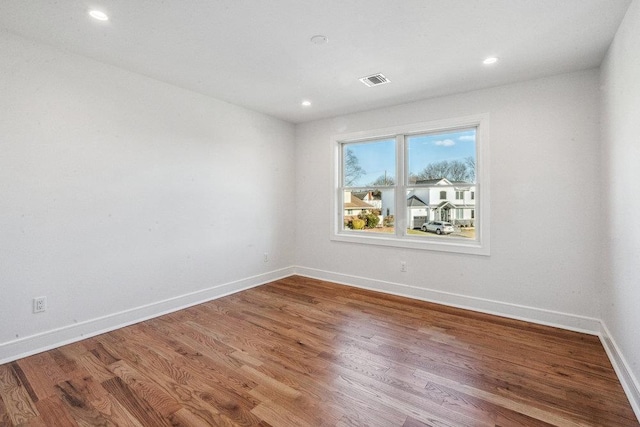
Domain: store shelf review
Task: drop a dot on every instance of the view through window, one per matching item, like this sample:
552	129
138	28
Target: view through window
441	177
369	178
433	198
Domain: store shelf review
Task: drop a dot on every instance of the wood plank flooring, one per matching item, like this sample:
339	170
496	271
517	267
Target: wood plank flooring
302	352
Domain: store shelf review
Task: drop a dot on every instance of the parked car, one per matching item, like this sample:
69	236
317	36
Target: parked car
439	227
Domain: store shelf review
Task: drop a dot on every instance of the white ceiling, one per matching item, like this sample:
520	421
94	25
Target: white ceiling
258	54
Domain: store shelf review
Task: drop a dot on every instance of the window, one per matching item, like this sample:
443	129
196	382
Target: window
390	183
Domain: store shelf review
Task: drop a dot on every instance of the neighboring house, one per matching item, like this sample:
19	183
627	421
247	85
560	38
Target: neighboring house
353	206
443	200
431	200
418	212
374	198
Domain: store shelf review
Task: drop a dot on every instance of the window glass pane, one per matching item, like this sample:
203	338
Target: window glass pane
371	163
450	155
442	168
370	210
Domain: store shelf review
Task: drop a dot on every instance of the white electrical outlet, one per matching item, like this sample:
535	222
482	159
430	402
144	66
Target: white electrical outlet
403	266
266	257
39	304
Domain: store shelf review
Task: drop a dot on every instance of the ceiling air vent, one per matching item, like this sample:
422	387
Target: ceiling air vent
375	80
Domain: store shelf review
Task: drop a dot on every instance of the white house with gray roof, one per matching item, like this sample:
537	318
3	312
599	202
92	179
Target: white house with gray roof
441	200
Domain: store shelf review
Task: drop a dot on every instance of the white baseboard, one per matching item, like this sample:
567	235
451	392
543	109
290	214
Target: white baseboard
629	382
571	322
12	350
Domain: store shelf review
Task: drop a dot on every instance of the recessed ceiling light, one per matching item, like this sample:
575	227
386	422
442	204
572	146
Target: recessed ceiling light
319	39
490	60
99	15
306	103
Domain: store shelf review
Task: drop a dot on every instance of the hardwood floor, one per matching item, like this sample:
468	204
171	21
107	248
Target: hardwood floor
301	352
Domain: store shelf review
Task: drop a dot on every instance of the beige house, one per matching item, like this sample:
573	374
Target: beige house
353	206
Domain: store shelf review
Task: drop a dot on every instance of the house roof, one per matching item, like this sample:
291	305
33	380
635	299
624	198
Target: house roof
375	194
357	203
433	181
414	201
462	183
443	181
445	203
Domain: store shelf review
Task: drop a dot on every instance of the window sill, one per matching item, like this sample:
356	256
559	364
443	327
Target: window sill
452	245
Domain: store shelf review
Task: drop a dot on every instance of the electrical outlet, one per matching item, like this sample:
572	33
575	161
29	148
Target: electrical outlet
39	304
403	266
266	257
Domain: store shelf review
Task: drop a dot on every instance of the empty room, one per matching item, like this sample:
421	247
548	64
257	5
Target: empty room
319	213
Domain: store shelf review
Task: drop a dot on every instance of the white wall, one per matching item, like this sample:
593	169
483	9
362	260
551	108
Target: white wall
621	171
545	252
121	196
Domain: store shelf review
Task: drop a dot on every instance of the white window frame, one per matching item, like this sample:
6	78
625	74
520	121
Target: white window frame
479	246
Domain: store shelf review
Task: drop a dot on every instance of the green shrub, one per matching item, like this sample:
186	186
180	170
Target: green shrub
371	220
388	221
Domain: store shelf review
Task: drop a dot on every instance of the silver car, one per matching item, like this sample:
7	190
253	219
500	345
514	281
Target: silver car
439	227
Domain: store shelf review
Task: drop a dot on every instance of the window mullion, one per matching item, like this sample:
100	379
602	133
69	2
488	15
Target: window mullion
400	219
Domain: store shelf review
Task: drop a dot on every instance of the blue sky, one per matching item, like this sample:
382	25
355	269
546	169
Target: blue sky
379	156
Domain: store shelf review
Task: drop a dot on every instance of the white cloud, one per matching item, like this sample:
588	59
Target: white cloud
445	142
467	138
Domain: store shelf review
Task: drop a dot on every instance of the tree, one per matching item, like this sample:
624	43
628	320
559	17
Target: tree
384	180
471	165
352	168
458	171
454	170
